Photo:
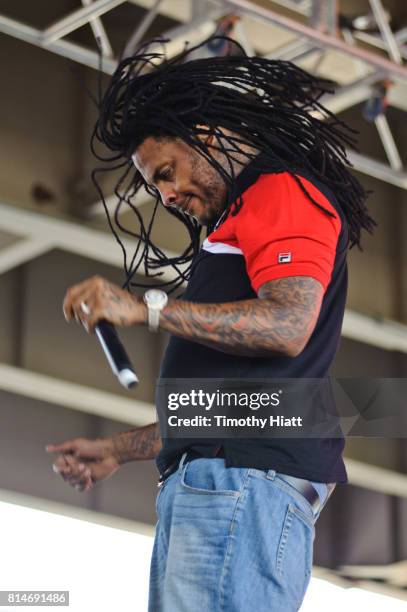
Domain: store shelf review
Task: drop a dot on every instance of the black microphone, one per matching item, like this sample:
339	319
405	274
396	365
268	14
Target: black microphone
116	354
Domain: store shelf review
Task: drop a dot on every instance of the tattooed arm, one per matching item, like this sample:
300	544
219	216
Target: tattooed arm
83	462
281	321
137	444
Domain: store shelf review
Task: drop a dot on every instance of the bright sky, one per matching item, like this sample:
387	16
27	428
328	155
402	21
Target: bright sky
107	569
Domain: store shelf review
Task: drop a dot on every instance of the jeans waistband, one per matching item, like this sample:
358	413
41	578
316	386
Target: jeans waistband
302	485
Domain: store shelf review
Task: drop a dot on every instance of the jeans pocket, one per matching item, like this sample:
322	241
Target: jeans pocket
211	477
301	502
295	552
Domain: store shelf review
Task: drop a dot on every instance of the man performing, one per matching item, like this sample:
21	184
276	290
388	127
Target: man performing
240	146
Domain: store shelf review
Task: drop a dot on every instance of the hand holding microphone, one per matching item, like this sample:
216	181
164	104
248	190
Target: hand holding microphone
114	350
100	305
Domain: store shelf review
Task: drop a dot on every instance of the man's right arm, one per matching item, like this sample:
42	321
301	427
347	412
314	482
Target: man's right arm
137	444
83	462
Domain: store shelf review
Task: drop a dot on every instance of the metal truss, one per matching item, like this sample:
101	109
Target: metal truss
199	22
70	237
74	396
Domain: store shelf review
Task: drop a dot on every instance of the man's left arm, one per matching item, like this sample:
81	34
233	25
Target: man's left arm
280	321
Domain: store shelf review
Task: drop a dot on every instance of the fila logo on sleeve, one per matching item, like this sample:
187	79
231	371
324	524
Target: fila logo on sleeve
284	257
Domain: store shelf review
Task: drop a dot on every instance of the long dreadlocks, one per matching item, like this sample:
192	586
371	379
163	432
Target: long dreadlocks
268	105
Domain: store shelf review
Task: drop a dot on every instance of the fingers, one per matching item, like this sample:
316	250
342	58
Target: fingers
97	298
80	308
60	466
70	296
77	474
80	475
82	292
70	446
82	448
85	311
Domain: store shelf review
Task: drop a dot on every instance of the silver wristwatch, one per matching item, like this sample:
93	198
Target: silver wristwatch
156	301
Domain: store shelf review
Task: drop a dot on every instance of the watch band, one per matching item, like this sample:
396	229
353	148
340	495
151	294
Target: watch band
155	300
153	317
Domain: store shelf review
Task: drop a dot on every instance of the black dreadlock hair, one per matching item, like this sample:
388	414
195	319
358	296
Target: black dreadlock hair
268	105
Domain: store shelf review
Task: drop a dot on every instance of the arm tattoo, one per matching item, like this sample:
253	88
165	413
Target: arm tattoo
137	444
280	322
126	302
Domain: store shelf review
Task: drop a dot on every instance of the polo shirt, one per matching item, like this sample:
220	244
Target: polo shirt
278	232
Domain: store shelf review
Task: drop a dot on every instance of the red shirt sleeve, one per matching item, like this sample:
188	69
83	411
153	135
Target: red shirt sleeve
282	233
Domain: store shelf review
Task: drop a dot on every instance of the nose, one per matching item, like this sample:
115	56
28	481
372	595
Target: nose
169	198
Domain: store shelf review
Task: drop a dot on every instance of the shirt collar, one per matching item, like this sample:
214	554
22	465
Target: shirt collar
246	178
261	164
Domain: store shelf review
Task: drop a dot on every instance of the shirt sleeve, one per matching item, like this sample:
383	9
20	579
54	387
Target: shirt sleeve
282	233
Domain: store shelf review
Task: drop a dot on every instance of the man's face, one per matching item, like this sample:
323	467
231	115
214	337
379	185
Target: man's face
184	179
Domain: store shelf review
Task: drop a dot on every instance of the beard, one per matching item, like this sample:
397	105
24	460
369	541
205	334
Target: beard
212	190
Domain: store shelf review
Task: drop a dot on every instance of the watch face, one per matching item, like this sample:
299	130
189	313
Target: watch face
155	297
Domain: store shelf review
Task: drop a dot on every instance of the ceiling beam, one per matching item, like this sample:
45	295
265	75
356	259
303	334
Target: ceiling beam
76	397
140	199
385	334
99	33
388	37
141	29
319	38
77	19
64	48
71	237
376	478
379	170
22	251
353	93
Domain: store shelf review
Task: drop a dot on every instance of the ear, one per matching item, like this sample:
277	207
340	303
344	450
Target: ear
206	136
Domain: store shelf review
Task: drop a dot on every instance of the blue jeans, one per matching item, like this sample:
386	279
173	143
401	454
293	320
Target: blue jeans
231	540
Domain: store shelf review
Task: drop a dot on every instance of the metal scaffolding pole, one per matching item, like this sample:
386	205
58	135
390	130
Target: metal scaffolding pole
289	50
77	19
319	38
377	41
352	94
388	36
60	47
377	169
388	142
99	32
141	29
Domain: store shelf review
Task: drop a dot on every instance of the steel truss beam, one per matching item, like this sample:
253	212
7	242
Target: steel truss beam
377	169
66	236
203	26
77	397
376	478
99	32
387	35
141	29
319	38
77	19
60	47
